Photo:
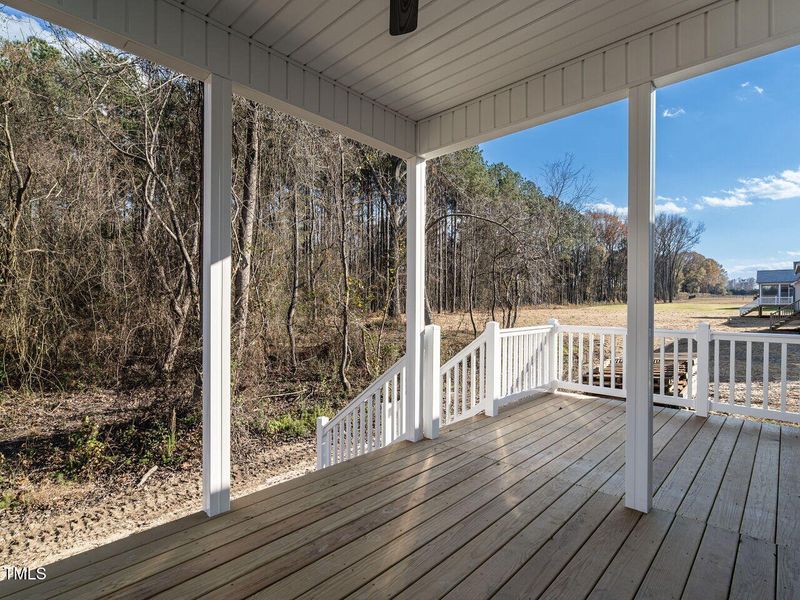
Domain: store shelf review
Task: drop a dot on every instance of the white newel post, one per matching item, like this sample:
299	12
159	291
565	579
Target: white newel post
431	382
216	300
493	367
323	452
415	293
639	346
554	355
703	343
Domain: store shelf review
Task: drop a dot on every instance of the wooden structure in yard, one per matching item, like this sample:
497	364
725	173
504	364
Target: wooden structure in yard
686	368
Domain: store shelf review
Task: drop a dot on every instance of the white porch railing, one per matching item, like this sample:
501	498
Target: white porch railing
592	359
526	360
756	375
465	379
374	419
749	374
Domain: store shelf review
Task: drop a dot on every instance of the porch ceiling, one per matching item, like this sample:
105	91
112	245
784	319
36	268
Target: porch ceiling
462	49
474	69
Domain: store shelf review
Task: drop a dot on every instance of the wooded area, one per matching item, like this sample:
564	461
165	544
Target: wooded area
101	228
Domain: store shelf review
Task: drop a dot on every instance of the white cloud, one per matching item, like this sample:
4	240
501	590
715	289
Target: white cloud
727	202
698	206
608	207
670	208
745	84
793	253
676	199
673	113
758	89
783	186
740	267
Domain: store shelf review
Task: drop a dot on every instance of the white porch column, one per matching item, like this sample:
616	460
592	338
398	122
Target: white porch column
216	300
415	292
639	384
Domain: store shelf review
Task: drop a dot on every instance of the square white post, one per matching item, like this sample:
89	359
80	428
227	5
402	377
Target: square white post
216	300
493	368
415	293
703	359
554	354
431	382
323	451
639	375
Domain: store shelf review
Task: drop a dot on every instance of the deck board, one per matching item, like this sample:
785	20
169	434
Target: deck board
526	504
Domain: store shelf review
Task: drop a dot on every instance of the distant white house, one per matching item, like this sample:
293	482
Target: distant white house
776	288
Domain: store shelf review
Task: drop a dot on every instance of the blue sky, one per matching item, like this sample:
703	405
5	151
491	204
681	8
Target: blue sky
727	154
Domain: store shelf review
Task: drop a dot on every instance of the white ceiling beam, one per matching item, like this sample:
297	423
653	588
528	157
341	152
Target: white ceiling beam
183	39
719	35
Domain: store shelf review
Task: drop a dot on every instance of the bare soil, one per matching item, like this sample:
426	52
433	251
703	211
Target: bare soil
48	518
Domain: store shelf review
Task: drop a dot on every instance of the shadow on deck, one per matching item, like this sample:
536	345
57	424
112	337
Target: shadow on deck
524	505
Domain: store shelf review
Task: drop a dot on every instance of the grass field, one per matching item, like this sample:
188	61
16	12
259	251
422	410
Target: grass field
719	311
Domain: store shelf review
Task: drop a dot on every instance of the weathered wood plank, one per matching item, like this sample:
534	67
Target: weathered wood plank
604	516
673	562
346	569
788	523
732	495
671	493
271	524
788	583
754	572
579	576
242	577
760	511
522	425
711	573
699	498
504	562
569	424
626	571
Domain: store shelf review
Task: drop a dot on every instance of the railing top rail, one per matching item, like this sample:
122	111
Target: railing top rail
523	330
772	338
673	332
592	329
373	387
463	353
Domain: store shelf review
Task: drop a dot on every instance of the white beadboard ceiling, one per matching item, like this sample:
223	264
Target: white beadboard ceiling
461	49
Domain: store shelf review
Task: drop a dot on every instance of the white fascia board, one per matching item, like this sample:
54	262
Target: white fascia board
182	39
721	34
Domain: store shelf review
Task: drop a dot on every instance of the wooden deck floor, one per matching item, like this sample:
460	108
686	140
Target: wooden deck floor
524	505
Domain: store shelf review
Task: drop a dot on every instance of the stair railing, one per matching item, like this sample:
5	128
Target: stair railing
783	314
374	419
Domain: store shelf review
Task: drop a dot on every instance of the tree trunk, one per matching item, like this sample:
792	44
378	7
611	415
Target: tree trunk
339	192
295	279
247	219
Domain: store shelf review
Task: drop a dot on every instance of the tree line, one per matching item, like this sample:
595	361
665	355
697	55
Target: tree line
100	232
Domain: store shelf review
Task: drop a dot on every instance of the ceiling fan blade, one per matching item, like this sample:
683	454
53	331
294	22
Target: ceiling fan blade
403	16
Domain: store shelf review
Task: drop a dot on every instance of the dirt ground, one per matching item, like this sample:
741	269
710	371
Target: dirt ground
90	514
